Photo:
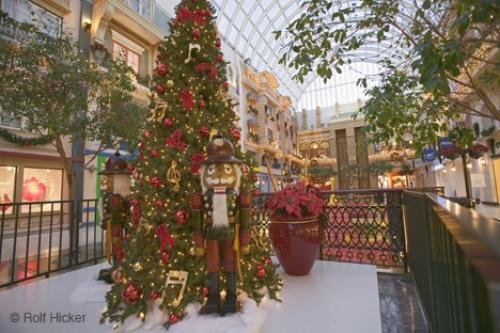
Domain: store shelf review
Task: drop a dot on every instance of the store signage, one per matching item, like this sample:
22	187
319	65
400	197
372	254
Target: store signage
429	154
445	143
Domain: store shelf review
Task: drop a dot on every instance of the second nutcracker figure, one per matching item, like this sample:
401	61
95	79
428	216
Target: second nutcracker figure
221	222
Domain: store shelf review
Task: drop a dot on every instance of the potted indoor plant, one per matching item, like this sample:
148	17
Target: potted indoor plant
477	150
296	232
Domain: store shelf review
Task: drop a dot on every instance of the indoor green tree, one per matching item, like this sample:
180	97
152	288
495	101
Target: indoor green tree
59	93
190	104
439	59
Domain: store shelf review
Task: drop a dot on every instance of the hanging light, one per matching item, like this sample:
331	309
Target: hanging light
469	165
453	169
483	161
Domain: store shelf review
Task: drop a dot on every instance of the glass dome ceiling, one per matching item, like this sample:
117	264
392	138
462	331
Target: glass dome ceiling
248	26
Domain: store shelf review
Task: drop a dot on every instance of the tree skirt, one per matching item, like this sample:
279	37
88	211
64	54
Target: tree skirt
250	320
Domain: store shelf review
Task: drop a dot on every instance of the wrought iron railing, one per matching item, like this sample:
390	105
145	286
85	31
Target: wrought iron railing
454	257
363	226
39	238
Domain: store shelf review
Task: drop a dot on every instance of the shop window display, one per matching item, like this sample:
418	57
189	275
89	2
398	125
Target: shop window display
7	188
41	185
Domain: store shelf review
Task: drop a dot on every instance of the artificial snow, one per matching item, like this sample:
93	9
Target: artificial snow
251	319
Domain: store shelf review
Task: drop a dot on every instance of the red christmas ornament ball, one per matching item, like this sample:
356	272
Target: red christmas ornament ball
164	257
181	216
260	272
220	58
159	204
196	33
173	318
130	167
202	104
141	145
225	85
154	295
217	43
155	181
155	153
131	293
267	261
160	89
204	291
204	131
168	122
162	69
147	133
236	133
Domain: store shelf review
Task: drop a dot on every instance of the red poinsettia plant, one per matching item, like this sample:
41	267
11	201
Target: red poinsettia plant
477	150
295	201
451	152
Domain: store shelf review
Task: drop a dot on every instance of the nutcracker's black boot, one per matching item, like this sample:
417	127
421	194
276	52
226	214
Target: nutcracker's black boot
212	305
105	275
229	305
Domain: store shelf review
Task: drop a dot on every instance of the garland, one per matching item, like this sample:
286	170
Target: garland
19	140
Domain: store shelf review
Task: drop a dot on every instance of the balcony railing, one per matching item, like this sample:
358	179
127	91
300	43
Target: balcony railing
39	238
150	10
454	257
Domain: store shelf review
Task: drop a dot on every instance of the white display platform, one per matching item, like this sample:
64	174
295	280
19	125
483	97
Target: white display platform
334	297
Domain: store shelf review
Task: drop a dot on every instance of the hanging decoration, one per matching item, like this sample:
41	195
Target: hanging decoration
19	140
175	140
174	176
34	190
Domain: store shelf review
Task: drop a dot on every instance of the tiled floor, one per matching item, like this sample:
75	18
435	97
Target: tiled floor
400	308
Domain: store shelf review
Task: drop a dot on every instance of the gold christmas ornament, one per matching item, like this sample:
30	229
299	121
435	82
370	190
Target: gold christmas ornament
177	278
174	176
170	83
137	266
158	113
192	47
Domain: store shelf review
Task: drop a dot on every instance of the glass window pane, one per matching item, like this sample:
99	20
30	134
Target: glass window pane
41	185
7	187
8	119
26	11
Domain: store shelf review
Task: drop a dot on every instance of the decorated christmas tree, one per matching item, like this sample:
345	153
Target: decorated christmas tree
163	265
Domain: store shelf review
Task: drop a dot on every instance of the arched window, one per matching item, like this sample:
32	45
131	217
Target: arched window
304	150
324	149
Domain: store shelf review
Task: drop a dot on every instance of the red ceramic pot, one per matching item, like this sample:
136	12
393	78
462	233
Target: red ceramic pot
296	242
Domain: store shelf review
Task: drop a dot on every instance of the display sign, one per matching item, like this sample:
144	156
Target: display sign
445	143
429	155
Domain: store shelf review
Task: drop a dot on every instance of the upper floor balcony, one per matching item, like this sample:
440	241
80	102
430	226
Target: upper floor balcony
145	18
150	10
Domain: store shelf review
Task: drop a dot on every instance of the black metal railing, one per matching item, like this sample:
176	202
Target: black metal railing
454	257
363	226
39	238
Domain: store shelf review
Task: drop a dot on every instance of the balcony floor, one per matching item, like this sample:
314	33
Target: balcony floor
335	297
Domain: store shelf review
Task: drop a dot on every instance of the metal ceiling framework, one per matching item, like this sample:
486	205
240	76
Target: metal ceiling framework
248	26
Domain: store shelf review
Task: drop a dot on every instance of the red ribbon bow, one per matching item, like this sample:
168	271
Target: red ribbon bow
166	239
175	140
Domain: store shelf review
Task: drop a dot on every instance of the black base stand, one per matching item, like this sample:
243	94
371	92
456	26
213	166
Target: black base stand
105	275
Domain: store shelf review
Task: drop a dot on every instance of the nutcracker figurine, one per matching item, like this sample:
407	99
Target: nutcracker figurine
221	222
116	211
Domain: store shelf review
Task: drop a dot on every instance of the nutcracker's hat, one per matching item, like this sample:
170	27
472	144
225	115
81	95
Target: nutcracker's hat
220	150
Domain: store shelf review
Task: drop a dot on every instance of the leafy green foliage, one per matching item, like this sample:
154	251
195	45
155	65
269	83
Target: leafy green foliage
439	57
60	92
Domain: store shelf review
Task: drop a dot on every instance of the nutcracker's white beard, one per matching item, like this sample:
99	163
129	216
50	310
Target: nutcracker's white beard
219	214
